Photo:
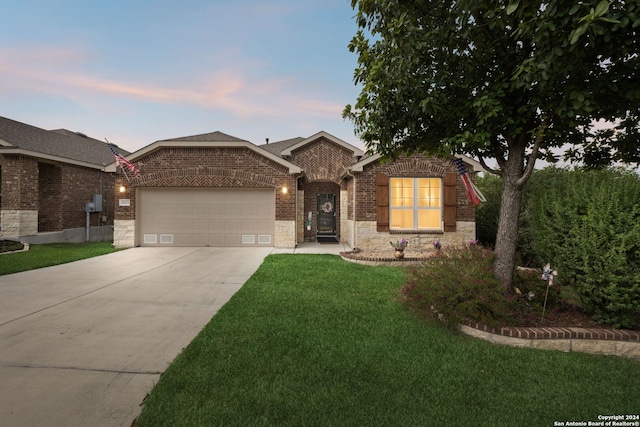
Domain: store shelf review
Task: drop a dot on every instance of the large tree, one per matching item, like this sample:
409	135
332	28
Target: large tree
499	80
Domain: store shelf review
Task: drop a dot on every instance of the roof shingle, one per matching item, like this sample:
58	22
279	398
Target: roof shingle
61	143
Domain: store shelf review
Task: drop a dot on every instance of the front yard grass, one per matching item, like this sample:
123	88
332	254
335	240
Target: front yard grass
312	340
39	256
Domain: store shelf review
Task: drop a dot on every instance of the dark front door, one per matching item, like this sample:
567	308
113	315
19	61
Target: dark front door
327	214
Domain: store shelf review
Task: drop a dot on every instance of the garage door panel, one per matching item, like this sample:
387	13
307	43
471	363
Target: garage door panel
263	211
200	224
164	224
215	210
200	210
184	210
233	210
249	224
184	224
233	224
216	239
201	217
216	224
249	211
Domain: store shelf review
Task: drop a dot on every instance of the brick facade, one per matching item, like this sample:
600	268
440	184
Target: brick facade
209	167
323	160
19	182
325	166
54	193
414	166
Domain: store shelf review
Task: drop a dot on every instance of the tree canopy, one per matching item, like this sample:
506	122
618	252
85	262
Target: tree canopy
506	80
482	78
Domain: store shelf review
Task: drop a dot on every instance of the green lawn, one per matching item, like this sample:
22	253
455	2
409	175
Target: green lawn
39	256
311	340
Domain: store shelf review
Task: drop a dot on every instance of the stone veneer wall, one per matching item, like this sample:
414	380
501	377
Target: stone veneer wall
369	239
300	217
346	224
17	223
124	233
285	234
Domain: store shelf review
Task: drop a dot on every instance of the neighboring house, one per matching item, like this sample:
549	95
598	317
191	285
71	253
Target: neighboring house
47	179
218	190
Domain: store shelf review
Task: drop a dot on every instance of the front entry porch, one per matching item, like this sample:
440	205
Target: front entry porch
320	216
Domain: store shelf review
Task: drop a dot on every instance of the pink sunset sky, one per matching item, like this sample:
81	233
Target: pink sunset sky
135	72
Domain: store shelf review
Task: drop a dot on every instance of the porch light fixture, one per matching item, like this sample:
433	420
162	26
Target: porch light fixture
285	190
123	189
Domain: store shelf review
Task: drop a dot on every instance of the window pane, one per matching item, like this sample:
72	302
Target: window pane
429	218
429	192
402	192
401	218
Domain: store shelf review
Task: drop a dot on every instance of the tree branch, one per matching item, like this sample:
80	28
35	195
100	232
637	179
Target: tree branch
534	153
487	168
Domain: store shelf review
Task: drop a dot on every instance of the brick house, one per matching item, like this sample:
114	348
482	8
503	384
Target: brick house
218	190
47	178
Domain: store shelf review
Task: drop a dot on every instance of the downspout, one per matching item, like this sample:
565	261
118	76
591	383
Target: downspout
353	229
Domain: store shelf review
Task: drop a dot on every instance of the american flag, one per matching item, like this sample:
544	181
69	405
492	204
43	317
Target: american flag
475	196
124	163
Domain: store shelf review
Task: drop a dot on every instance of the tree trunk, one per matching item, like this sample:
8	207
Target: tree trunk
507	235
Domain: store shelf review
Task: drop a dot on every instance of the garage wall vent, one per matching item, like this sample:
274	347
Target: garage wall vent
167	239
150	239
264	239
248	239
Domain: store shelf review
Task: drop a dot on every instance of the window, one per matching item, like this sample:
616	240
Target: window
416	203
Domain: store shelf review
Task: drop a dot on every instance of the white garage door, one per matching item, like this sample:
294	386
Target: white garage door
205	217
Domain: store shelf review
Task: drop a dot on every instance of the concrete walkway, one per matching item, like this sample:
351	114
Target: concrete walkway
82	344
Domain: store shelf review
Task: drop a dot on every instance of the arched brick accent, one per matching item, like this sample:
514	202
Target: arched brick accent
412	164
205	177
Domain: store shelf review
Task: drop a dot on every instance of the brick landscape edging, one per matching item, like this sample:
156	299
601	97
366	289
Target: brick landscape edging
607	341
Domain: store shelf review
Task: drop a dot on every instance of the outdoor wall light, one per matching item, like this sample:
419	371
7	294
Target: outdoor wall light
123	189
285	190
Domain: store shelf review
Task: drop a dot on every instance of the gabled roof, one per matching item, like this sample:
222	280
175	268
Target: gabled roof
277	147
322	134
216	136
60	145
213	139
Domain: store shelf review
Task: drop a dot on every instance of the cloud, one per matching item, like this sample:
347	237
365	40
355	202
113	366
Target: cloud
234	90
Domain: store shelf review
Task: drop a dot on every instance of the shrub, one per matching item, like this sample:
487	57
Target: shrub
457	284
587	224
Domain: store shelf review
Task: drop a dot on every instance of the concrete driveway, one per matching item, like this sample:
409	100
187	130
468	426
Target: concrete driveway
82	344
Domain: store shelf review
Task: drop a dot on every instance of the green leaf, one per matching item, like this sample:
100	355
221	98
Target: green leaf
575	35
511	7
602	8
